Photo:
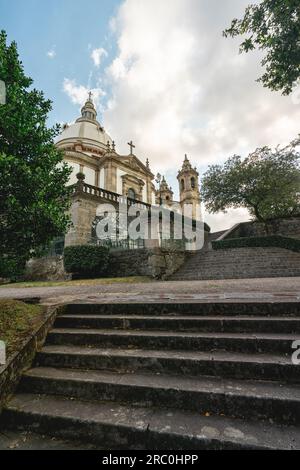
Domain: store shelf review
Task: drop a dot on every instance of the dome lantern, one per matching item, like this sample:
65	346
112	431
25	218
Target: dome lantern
88	111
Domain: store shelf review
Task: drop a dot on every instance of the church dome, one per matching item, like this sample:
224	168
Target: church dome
86	129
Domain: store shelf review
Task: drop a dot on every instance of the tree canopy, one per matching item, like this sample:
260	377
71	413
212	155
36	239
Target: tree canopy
33	178
274	27
267	183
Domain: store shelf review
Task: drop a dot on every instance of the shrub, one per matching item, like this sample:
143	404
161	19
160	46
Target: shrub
86	260
12	267
288	243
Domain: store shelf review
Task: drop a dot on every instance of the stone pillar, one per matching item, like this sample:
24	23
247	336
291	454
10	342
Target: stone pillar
97	178
149	190
113	172
83	212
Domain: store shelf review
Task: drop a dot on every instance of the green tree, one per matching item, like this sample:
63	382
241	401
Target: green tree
267	183
33	194
272	26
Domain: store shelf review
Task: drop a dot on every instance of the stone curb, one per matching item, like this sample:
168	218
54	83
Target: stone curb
11	372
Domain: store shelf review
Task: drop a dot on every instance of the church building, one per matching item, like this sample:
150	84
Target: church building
100	174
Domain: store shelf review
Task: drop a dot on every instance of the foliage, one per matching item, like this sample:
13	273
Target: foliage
288	243
272	26
12	267
86	260
33	178
267	183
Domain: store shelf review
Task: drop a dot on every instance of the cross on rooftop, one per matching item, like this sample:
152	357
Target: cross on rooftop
90	96
132	146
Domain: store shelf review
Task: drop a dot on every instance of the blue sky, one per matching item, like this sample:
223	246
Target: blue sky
162	75
67	28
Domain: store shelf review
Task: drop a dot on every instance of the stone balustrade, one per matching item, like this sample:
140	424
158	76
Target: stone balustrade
108	196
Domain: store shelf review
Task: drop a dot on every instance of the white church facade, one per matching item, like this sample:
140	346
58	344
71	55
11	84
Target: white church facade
91	152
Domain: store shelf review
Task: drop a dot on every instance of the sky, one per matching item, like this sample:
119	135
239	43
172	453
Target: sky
162	75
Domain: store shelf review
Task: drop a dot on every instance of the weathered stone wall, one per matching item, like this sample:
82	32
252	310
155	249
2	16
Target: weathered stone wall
10	374
125	263
163	263
289	227
157	263
46	269
83	213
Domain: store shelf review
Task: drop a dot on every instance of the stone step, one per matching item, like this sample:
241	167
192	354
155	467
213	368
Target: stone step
126	427
232	398
240	263
189	308
231	275
201	267
182	323
238	342
273	262
222	364
215	266
234	264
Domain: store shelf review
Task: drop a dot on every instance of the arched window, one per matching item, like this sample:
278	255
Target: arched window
193	183
131	193
182	185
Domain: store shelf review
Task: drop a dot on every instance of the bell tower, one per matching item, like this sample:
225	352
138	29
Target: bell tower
164	195
188	179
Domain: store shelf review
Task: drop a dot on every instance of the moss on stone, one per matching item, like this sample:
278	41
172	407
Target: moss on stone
17	321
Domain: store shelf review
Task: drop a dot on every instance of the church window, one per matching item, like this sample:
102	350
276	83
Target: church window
131	193
182	185
193	183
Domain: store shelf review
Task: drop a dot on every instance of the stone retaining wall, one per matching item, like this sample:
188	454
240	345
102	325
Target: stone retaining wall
46	269
10	374
154	262
157	263
289	227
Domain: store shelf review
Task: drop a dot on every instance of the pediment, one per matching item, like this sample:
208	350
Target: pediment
130	162
135	164
133	179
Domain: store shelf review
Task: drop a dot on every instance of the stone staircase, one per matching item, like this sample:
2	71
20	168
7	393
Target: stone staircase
186	376
239	263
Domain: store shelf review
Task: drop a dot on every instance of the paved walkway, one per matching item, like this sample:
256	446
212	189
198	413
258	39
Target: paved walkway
259	290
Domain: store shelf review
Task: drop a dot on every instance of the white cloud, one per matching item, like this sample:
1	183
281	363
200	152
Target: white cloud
223	221
52	53
97	55
79	93
178	86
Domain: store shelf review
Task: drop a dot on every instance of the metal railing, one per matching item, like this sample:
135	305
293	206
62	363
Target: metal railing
127	244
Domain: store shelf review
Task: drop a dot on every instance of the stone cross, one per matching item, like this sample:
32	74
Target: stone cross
132	146
90	96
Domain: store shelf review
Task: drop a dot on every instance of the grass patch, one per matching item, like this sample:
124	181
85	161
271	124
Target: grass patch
82	282
17	321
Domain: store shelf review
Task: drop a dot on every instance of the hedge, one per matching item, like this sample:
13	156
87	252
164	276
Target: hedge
86	260
277	241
